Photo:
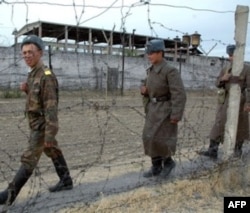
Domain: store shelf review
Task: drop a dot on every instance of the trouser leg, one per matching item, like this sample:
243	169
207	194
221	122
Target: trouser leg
29	161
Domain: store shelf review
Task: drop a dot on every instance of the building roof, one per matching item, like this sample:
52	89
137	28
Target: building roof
80	34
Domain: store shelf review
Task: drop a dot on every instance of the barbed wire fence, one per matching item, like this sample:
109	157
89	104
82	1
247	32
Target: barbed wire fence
100	135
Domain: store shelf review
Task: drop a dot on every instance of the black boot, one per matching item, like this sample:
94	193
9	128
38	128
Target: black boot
238	149
65	182
168	165
9	195
212	151
156	168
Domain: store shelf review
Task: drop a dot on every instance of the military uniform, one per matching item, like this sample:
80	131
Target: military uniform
41	110
218	130
159	135
164	102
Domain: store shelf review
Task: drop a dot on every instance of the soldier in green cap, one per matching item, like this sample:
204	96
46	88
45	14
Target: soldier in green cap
41	89
164	100
223	82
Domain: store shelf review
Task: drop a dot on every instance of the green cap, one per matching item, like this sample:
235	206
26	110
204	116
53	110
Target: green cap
33	39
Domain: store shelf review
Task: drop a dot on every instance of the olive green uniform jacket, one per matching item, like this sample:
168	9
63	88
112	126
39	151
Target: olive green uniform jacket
159	135
42	101
217	131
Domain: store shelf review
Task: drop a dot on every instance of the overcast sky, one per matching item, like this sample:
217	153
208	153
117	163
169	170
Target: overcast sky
213	19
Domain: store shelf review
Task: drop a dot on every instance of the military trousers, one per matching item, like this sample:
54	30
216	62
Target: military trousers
32	154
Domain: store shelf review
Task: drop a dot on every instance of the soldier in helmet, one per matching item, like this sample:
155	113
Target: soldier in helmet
223	82
166	97
41	109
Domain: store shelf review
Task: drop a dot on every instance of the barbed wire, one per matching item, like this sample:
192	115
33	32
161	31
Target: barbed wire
107	157
137	4
185	33
100	131
128	13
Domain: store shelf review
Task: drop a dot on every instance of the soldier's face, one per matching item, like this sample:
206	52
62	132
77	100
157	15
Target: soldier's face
31	54
155	57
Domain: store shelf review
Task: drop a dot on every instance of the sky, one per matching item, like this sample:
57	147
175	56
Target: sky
214	20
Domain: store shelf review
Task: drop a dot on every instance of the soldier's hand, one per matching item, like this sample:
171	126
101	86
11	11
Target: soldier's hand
24	87
247	107
48	144
174	121
226	77
144	90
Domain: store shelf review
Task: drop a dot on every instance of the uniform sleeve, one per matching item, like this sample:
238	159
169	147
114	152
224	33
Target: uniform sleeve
247	70
178	94
145	98
50	106
218	82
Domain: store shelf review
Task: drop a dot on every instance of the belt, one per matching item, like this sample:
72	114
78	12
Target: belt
160	99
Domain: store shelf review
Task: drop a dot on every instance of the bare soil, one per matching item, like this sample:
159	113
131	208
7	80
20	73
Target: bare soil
100	135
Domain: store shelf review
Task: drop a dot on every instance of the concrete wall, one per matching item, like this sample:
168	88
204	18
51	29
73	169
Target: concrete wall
81	70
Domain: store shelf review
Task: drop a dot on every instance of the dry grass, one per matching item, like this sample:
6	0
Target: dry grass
179	196
205	194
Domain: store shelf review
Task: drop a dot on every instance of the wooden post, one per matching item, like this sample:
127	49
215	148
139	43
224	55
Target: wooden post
241	21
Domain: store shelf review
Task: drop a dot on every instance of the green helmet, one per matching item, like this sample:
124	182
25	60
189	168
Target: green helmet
33	39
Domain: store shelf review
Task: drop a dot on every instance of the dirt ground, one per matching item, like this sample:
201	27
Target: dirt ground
100	135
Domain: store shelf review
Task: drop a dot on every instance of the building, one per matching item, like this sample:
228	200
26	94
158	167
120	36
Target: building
105	59
93	40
